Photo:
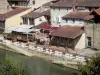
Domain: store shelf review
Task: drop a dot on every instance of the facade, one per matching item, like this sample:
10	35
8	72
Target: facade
28	3
87	5
92	28
62	8
13	17
76	18
58	10
69	37
33	18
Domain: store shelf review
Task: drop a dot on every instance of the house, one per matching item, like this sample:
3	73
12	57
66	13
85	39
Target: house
62	8
33	18
12	18
92	28
87	5
28	3
58	10
76	18
69	37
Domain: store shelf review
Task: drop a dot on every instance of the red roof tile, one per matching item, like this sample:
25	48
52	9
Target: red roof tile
62	4
11	13
68	32
32	15
76	15
46	13
88	3
48	27
89	17
97	11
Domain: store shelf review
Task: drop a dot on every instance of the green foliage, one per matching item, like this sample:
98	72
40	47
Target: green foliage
7	68
92	67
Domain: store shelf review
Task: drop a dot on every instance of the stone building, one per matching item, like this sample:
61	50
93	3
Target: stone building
92	28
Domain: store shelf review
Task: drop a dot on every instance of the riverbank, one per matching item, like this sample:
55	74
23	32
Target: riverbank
35	65
28	52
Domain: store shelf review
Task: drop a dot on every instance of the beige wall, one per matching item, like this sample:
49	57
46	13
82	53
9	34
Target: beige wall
81	42
15	20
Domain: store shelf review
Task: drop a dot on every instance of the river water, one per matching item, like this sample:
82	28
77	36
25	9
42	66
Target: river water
37	66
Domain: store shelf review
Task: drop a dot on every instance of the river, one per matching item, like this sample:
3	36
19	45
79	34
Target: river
37	66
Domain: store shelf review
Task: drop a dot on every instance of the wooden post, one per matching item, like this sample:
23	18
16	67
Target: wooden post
58	39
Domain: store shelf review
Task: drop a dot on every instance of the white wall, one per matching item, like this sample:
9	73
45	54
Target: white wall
56	12
37	20
81	43
70	22
39	3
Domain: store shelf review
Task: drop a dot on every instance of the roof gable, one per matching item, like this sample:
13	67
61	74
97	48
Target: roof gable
68	32
76	15
32	15
11	13
62	4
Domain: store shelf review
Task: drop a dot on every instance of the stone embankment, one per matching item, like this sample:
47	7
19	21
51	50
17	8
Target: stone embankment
29	52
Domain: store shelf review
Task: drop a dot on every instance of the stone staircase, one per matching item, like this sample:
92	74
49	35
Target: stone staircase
3	6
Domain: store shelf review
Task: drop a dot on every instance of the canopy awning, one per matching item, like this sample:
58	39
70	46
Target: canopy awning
48	27
22	28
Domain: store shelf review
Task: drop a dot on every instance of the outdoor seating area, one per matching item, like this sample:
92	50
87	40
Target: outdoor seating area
48	51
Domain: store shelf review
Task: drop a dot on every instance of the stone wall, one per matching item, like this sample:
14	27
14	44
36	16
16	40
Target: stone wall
4	6
93	31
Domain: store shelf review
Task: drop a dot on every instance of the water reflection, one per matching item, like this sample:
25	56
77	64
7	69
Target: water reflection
37	66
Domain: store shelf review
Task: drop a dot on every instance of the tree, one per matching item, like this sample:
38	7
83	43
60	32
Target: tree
92	66
7	68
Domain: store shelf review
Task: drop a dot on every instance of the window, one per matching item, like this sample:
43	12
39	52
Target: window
66	20
31	21
81	8
34	2
89	41
73	20
67	10
25	21
70	43
59	9
40	19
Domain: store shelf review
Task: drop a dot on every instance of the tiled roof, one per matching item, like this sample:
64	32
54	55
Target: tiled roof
97	11
11	13
32	15
48	27
68	32
89	17
62	4
47	4
43	23
88	3
84	3
76	15
47	12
